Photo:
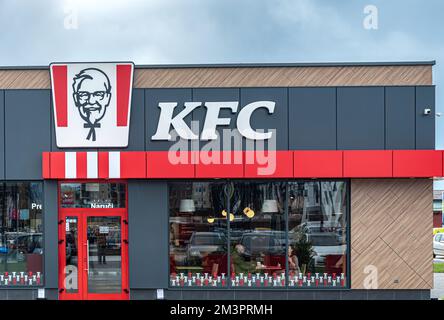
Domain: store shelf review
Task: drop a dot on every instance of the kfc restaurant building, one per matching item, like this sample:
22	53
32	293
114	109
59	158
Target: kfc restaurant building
278	181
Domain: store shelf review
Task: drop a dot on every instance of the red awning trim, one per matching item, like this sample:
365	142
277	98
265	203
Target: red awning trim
243	164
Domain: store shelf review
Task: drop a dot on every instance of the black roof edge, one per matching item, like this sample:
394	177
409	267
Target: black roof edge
254	65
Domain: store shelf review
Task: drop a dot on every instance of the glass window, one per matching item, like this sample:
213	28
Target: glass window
257	234
317	234
21	233
198	234
279	233
92	195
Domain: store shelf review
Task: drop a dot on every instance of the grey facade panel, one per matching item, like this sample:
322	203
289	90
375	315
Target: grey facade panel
218	95
152	111
2	134
400	117
360	118
425	124
27	132
261	119
312	118
148	234
50	219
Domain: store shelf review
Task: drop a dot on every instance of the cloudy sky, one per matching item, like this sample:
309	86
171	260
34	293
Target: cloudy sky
223	31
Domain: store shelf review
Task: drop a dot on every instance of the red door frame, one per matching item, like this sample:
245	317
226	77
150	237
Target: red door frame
82	214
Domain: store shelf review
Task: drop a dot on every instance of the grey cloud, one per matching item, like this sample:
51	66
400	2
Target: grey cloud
210	31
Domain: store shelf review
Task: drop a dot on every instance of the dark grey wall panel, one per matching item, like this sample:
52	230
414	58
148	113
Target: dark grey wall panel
217	95
152	111
312	118
2	134
27	132
400	117
50	219
261	119
425	124
148	234
360	118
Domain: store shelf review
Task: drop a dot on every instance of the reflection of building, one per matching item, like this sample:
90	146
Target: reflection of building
437	208
201	195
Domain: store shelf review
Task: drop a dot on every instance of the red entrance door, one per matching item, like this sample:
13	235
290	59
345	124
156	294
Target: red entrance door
93	253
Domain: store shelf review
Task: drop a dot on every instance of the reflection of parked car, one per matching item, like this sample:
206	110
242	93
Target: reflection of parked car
438	245
261	243
324	244
27	243
17	245
202	243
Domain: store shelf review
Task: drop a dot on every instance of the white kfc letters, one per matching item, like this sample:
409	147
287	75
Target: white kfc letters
212	120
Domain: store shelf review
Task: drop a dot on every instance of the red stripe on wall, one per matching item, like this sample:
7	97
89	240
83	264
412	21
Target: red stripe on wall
268	164
297	164
219	164
132	164
81	163
123	93
318	164
60	87
57	165
169	164
417	163
103	165
46	165
368	163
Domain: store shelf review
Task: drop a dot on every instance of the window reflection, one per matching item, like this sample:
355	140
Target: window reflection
317	233
263	253
198	234
21	237
257	234
92	195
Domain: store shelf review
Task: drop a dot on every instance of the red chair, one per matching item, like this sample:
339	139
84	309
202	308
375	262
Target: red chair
332	265
215	263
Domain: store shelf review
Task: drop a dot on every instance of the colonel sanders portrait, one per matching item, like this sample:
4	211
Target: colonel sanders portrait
92	95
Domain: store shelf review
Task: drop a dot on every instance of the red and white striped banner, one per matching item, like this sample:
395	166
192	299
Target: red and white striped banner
284	164
94	165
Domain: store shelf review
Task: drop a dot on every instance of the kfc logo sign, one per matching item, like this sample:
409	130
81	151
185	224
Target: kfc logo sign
92	103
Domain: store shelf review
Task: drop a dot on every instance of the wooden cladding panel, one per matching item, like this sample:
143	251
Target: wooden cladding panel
247	77
391	229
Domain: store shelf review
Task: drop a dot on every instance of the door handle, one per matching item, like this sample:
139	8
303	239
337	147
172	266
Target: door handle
87	257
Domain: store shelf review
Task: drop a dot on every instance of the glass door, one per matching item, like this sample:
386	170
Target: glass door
93	255
104	255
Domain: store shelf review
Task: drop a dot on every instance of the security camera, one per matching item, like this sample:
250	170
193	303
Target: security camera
427	111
